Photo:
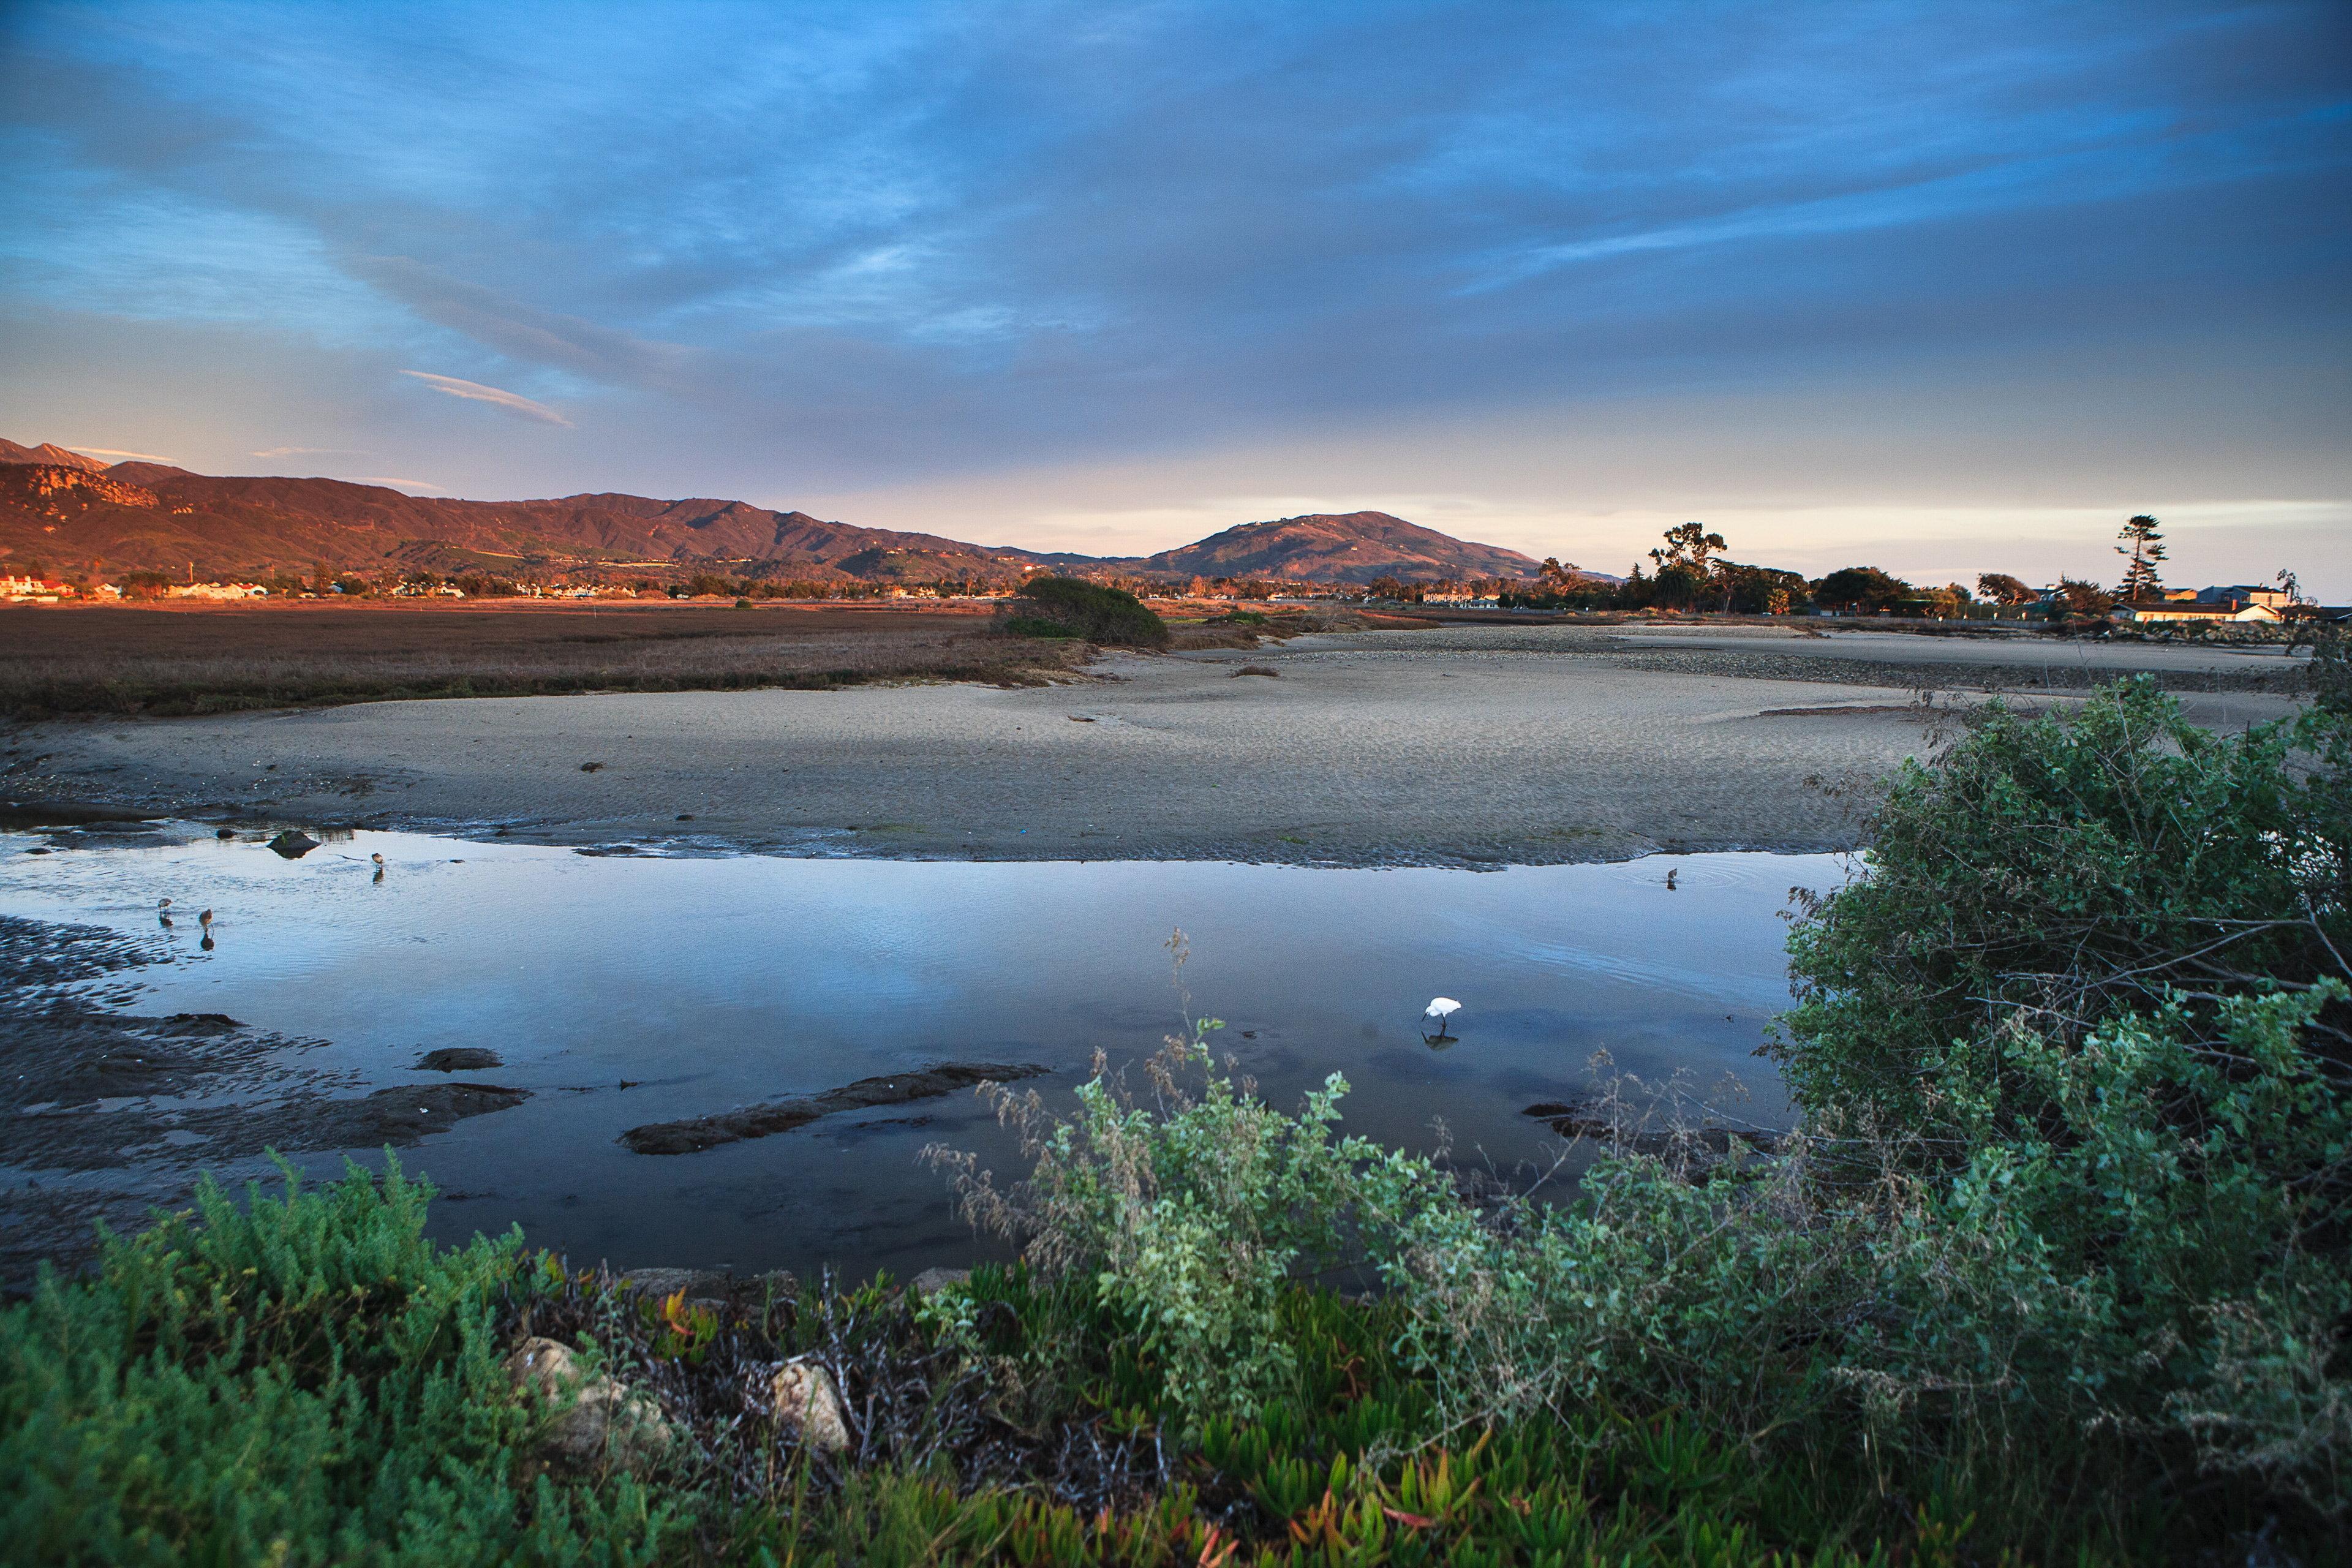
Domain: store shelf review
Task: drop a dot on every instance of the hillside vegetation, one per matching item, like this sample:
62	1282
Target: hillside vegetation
2054	1270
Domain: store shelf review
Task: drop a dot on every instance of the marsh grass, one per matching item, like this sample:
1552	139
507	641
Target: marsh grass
127	661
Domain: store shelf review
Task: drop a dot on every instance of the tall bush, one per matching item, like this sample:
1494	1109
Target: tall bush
2070	869
1112	616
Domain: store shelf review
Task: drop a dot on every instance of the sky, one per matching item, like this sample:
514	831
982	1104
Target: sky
1945	288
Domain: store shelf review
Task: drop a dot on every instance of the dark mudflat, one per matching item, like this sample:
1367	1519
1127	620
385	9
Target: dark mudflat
783	1115
90	1087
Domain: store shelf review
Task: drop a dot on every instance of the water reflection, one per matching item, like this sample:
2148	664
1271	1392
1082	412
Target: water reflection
623	991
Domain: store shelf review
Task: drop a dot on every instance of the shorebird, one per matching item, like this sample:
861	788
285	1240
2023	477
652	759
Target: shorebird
206	920
163	903
1670	878
1441	1008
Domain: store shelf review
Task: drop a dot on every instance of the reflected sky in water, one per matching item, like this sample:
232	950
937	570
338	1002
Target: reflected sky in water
713	981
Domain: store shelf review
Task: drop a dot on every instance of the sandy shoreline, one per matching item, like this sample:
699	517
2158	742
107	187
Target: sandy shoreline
1464	745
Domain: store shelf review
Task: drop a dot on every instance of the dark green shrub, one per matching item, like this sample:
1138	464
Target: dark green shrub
2059	871
1037	626
1110	615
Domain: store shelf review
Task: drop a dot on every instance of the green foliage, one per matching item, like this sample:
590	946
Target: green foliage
2070	869
1862	590
305	1379
1112	616
1038	627
1189	1219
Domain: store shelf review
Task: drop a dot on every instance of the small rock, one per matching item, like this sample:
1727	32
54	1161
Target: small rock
592	767
931	1281
458	1058
700	1285
1256	669
807	1403
595	1419
293	844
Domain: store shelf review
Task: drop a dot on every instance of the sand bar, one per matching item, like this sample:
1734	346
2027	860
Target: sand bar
1466	744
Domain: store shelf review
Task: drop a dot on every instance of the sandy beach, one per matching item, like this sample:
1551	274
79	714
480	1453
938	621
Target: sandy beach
1464	744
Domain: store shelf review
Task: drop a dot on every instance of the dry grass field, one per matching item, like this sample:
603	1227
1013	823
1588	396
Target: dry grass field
59	660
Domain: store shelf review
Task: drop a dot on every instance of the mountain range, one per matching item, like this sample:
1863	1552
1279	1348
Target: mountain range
66	512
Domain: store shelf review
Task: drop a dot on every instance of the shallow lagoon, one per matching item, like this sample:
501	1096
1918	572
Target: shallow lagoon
709	982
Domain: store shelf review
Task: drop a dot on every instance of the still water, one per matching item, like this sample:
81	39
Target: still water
709	982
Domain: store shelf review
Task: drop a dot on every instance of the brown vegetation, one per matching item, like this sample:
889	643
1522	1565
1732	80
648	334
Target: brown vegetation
65	660
1249	628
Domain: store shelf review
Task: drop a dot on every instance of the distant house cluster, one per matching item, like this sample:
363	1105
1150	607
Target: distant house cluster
2238	602
49	591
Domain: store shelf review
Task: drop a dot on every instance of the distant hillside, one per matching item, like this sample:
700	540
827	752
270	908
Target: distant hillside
1353	547
70	514
59	457
147	515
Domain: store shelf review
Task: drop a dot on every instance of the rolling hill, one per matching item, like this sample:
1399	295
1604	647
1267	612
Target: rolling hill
75	516
1351	547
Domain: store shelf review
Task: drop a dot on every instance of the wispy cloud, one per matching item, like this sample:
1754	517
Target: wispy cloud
475	392
400	483
111	452
299	451
522	332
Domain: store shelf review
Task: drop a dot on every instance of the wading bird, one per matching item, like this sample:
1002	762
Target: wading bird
1440	1008
206	920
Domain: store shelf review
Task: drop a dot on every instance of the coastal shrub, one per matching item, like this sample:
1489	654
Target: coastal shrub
1112	616
301	1379
2070	869
1188	1217
2138	1289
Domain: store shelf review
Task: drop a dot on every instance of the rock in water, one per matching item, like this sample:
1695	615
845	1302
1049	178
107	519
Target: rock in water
807	1403
293	844
605	1422
458	1058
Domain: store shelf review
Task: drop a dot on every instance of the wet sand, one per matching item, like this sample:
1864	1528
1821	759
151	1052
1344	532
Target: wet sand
1462	744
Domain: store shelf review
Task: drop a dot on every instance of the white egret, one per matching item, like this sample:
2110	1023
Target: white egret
1441	1008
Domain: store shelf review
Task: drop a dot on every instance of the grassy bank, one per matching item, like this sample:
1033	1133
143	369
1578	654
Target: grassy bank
2054	1269
64	661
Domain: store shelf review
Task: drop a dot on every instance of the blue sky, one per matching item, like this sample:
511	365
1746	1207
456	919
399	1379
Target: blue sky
1940	288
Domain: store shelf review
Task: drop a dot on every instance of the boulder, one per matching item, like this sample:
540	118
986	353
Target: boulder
807	1401
933	1280
594	1420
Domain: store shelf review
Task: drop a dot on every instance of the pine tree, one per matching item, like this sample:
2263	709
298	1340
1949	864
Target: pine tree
2141	578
